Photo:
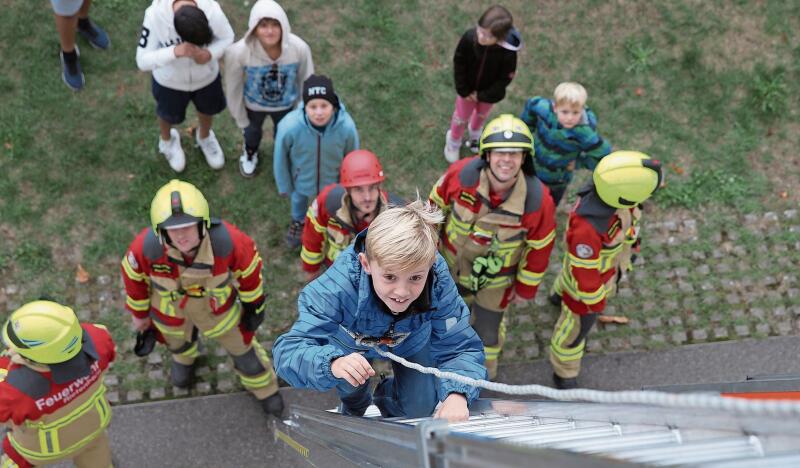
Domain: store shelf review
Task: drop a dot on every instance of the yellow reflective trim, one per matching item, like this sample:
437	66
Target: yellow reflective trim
192	352
169	331
7	462
142	305
312	216
225	325
311	258
256	382
583	262
492	352
566	354
50	448
130	272
543	242
3	374
250	296
529	278
250	268
434	195
333	251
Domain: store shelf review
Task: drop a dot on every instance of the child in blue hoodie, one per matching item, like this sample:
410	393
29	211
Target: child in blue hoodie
311	142
391	289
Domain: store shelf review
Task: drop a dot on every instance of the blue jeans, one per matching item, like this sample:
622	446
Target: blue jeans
299	206
409	393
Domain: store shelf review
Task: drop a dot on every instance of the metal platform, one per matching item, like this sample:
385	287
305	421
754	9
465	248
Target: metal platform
504	433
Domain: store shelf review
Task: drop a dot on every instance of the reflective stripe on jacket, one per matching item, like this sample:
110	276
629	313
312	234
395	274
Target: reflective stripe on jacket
329	226
159	283
51	421
599	241
522	226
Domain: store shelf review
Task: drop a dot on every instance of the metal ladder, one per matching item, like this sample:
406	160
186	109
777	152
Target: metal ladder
502	433
644	435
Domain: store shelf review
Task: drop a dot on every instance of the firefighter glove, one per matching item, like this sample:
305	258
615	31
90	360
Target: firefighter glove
253	314
484	269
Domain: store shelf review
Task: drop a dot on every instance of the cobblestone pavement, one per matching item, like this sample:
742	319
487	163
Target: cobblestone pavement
722	277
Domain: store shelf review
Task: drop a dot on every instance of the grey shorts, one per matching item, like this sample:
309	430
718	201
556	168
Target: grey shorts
66	7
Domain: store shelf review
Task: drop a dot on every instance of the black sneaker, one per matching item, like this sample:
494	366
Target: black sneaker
182	375
473	145
96	36
71	71
294	234
273	405
564	384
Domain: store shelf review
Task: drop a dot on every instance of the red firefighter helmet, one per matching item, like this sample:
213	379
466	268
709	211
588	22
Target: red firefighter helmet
360	167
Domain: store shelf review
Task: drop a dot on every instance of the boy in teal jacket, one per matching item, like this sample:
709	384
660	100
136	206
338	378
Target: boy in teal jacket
392	289
309	147
565	136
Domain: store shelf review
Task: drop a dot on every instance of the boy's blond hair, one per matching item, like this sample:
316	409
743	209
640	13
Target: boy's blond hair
570	93
405	237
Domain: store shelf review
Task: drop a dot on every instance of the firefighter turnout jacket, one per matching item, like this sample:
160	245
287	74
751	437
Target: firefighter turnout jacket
599	242
162	284
330	228
519	229
52	421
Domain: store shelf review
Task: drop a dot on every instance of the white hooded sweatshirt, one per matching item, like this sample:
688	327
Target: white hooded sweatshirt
253	80
156	51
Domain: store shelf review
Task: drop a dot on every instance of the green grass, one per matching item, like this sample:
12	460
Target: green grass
697	85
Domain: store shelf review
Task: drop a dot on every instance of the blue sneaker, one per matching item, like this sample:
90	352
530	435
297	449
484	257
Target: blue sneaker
96	36
71	72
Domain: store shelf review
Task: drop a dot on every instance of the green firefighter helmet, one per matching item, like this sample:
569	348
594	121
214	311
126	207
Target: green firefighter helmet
506	132
178	204
44	332
624	179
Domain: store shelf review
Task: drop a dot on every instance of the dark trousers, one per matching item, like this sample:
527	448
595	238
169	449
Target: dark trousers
254	132
409	393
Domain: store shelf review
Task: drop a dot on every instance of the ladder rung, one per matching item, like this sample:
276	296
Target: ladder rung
692	451
609	444
504	432
562	435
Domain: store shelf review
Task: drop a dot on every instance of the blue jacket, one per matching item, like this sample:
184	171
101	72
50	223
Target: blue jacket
306	160
557	147
343	298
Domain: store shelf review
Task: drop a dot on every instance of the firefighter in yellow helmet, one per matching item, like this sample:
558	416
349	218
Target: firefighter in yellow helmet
189	275
499	230
602	234
52	395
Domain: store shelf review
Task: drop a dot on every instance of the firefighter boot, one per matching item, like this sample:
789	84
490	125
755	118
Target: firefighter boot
273	405
182	375
564	384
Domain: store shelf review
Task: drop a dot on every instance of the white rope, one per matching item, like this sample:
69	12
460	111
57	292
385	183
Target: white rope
672	400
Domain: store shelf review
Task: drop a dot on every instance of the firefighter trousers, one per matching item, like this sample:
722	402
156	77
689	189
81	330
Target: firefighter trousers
488	307
568	342
250	360
96	454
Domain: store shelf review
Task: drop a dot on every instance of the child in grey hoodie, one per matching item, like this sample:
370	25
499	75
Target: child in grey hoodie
263	76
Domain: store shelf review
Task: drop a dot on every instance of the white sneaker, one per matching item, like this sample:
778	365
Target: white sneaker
451	149
172	151
248	163
211	149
